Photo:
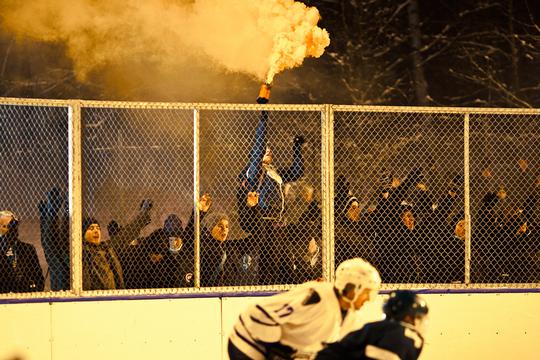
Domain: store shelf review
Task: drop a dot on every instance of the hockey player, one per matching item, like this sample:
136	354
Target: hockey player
298	322
397	337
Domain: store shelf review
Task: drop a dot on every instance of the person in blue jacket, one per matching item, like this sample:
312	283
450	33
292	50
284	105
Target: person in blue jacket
261	199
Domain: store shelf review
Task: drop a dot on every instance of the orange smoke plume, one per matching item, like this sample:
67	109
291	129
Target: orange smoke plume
297	38
259	38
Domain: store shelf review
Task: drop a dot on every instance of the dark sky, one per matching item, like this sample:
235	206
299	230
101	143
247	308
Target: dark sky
454	53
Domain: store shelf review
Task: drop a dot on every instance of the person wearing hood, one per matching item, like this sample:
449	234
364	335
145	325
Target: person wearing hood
101	266
19	264
164	259
225	261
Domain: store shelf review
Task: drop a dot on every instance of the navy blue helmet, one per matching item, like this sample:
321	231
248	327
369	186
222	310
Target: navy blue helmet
402	303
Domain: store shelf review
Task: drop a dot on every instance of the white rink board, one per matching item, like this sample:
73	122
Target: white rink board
25	331
115	330
462	326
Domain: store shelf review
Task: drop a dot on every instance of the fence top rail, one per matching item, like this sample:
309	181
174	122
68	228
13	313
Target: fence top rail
159	105
433	110
282	107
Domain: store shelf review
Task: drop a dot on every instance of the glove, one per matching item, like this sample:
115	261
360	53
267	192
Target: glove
299	140
146	205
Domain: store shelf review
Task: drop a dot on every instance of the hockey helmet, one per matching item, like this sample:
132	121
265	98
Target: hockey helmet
359	273
402	303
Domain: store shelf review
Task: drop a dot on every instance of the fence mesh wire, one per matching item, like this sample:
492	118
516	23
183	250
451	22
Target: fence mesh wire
34	153
399	193
399	189
138	186
505	188
272	160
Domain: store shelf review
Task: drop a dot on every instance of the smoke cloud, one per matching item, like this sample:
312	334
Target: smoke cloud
258	38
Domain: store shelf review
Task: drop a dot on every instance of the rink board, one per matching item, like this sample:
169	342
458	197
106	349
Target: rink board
462	326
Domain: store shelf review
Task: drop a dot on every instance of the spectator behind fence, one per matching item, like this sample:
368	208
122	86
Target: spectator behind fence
101	266
439	241
261	201
19	264
352	235
125	240
225	262
165	258
504	248
54	226
393	226
305	259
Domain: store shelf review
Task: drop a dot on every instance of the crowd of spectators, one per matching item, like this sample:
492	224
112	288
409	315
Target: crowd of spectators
409	233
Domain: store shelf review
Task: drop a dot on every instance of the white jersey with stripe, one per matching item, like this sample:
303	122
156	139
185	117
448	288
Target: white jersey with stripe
303	318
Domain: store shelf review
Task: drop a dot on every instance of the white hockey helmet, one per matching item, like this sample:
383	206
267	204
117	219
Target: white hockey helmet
359	273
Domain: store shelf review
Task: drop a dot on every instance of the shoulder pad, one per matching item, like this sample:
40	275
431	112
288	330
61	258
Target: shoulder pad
312	298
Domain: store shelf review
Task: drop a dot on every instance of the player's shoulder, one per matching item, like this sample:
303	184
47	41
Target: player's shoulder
323	288
315	292
384	329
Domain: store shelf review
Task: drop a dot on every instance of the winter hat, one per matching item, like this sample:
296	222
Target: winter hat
212	219
173	225
349	202
87	222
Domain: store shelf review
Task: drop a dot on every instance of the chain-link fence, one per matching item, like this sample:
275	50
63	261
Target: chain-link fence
399	192
171	198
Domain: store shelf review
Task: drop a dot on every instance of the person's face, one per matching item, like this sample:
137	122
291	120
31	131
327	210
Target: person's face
221	230
175	243
459	231
4	222
93	234
267	158
353	212
408	219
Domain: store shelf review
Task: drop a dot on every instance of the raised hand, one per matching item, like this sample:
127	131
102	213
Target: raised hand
252	198
205	202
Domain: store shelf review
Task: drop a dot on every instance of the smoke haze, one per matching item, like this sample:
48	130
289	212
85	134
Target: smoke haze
163	45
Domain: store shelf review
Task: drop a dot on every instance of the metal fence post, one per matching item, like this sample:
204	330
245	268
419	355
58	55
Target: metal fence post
327	191
467	199
196	186
75	194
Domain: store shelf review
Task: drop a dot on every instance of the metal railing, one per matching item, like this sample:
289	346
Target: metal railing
437	198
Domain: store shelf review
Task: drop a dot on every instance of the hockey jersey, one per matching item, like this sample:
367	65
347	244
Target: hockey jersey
381	340
303	319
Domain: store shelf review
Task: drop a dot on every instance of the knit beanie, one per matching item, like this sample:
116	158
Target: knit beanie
87	222
349	202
